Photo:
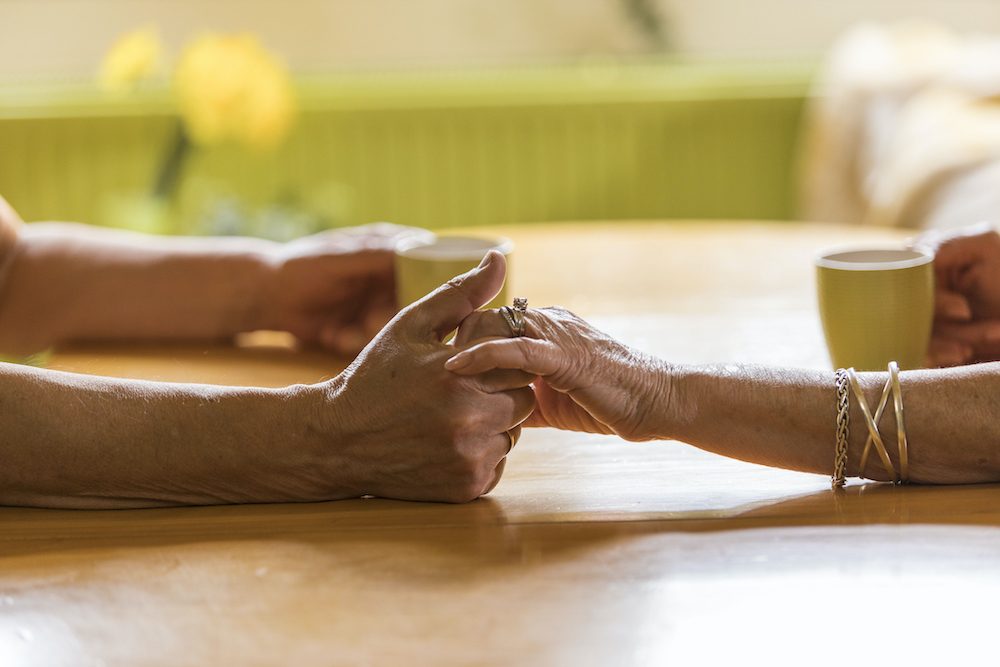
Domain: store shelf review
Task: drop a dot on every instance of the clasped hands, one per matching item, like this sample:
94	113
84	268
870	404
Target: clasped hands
419	418
454	402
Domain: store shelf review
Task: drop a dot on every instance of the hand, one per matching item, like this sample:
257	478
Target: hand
586	380
411	429
967	297
334	289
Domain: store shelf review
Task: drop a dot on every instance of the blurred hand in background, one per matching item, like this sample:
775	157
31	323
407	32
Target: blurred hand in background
68	282
967	298
334	289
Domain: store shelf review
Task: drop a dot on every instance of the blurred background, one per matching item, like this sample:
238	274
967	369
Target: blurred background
282	118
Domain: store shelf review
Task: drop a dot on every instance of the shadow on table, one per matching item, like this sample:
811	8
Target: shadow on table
874	503
480	530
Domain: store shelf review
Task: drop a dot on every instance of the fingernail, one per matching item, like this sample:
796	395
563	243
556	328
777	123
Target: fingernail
487	260
457	362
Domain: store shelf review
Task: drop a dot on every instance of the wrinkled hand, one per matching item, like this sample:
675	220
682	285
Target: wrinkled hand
585	380
415	431
967	298
334	289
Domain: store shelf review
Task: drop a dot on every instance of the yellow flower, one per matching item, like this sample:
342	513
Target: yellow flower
132	58
230	89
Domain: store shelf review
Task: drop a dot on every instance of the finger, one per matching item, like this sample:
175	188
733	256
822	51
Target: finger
983	333
511	437
482	324
443	310
985	353
497	380
505	410
522	404
497	474
531	355
515	436
951	305
955	253
944	353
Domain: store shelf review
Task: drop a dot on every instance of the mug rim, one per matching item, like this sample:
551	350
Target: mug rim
824	259
403	249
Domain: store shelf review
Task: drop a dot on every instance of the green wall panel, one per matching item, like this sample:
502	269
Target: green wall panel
656	141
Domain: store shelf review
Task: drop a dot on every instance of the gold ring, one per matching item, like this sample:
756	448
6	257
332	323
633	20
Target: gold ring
508	316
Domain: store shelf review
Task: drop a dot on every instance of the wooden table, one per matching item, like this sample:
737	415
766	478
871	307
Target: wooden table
592	551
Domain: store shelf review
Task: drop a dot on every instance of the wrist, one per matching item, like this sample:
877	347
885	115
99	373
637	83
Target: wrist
281	448
671	385
655	391
263	270
327	439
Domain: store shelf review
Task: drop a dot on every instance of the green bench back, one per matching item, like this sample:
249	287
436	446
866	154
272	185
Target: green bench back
653	140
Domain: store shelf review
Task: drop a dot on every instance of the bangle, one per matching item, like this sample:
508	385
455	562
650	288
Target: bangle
878	417
843	430
872	426
897	399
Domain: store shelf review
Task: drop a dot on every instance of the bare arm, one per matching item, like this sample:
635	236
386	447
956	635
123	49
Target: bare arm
777	417
61	282
79	441
68	282
394	424
786	418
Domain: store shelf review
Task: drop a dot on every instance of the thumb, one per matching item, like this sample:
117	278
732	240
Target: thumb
441	311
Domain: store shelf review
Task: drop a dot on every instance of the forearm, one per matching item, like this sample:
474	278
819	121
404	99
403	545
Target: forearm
79	441
71	282
786	418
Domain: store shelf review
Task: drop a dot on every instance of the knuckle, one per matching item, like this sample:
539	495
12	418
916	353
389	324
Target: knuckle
473	322
464	493
565	313
466	425
532	355
529	400
467	487
457	285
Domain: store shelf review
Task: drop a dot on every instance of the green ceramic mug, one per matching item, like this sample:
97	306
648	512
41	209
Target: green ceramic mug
425	262
877	306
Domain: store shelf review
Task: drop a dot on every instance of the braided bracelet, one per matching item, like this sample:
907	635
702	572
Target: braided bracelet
843	431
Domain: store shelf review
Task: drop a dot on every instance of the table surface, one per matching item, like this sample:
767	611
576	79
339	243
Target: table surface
591	551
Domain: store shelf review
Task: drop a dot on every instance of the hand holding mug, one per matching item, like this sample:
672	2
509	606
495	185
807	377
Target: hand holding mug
967	296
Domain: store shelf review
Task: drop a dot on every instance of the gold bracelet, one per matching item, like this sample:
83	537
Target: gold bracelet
843	431
872	426
897	399
883	401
